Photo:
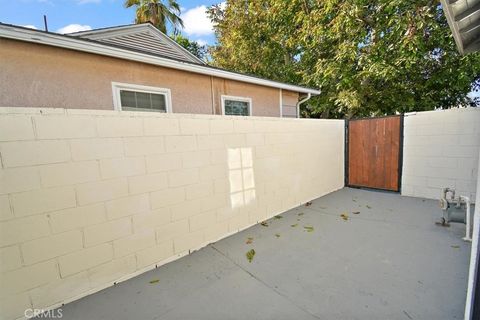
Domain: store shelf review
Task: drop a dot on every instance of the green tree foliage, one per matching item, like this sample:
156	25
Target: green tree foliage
200	51
368	57
157	12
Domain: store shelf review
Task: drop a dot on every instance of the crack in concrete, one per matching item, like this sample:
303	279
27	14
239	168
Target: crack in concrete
359	217
265	283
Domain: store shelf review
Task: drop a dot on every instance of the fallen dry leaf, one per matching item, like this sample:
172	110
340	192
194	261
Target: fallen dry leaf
294	225
344	216
250	254
308	228
356	212
277	235
264	223
308	204
154	281
249	240
277	217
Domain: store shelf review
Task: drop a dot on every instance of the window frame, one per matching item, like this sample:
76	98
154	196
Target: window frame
236	98
117	102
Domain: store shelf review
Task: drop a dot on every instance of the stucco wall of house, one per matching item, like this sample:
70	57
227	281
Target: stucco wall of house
441	150
89	198
265	100
289	104
61	78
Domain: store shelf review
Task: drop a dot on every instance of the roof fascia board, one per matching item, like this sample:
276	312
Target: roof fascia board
97	48
105	34
105	30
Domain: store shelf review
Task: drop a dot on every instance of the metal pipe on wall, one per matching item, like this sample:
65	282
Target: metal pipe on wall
302	101
468	226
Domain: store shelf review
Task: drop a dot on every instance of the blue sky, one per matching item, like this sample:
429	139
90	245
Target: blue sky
76	15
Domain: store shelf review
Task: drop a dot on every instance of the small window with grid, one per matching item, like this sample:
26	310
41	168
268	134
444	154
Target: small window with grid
141	98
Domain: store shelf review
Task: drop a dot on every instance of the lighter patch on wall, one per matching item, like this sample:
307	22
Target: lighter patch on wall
241	177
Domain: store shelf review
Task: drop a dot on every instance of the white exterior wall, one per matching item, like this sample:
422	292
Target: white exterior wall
88	198
441	150
474	256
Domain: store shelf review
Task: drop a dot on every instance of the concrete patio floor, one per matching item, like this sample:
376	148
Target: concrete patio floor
390	261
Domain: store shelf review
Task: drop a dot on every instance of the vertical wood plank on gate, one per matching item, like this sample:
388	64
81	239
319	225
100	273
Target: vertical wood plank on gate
388	154
395	153
374	152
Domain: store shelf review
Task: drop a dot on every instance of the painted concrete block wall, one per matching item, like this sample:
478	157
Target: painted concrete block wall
441	150
88	198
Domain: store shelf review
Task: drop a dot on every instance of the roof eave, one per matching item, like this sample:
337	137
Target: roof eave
463	17
34	36
453	27
107	29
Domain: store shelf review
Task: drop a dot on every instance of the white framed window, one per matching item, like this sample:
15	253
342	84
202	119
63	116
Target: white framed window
236	106
134	97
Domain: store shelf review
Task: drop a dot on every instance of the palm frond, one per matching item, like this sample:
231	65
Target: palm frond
158	12
131	3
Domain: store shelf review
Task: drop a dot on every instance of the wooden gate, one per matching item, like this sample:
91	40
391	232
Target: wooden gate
374	153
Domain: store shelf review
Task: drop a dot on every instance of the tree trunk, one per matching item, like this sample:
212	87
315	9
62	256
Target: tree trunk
154	14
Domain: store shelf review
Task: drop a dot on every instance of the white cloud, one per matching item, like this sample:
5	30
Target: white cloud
74	28
201	42
197	22
30	26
